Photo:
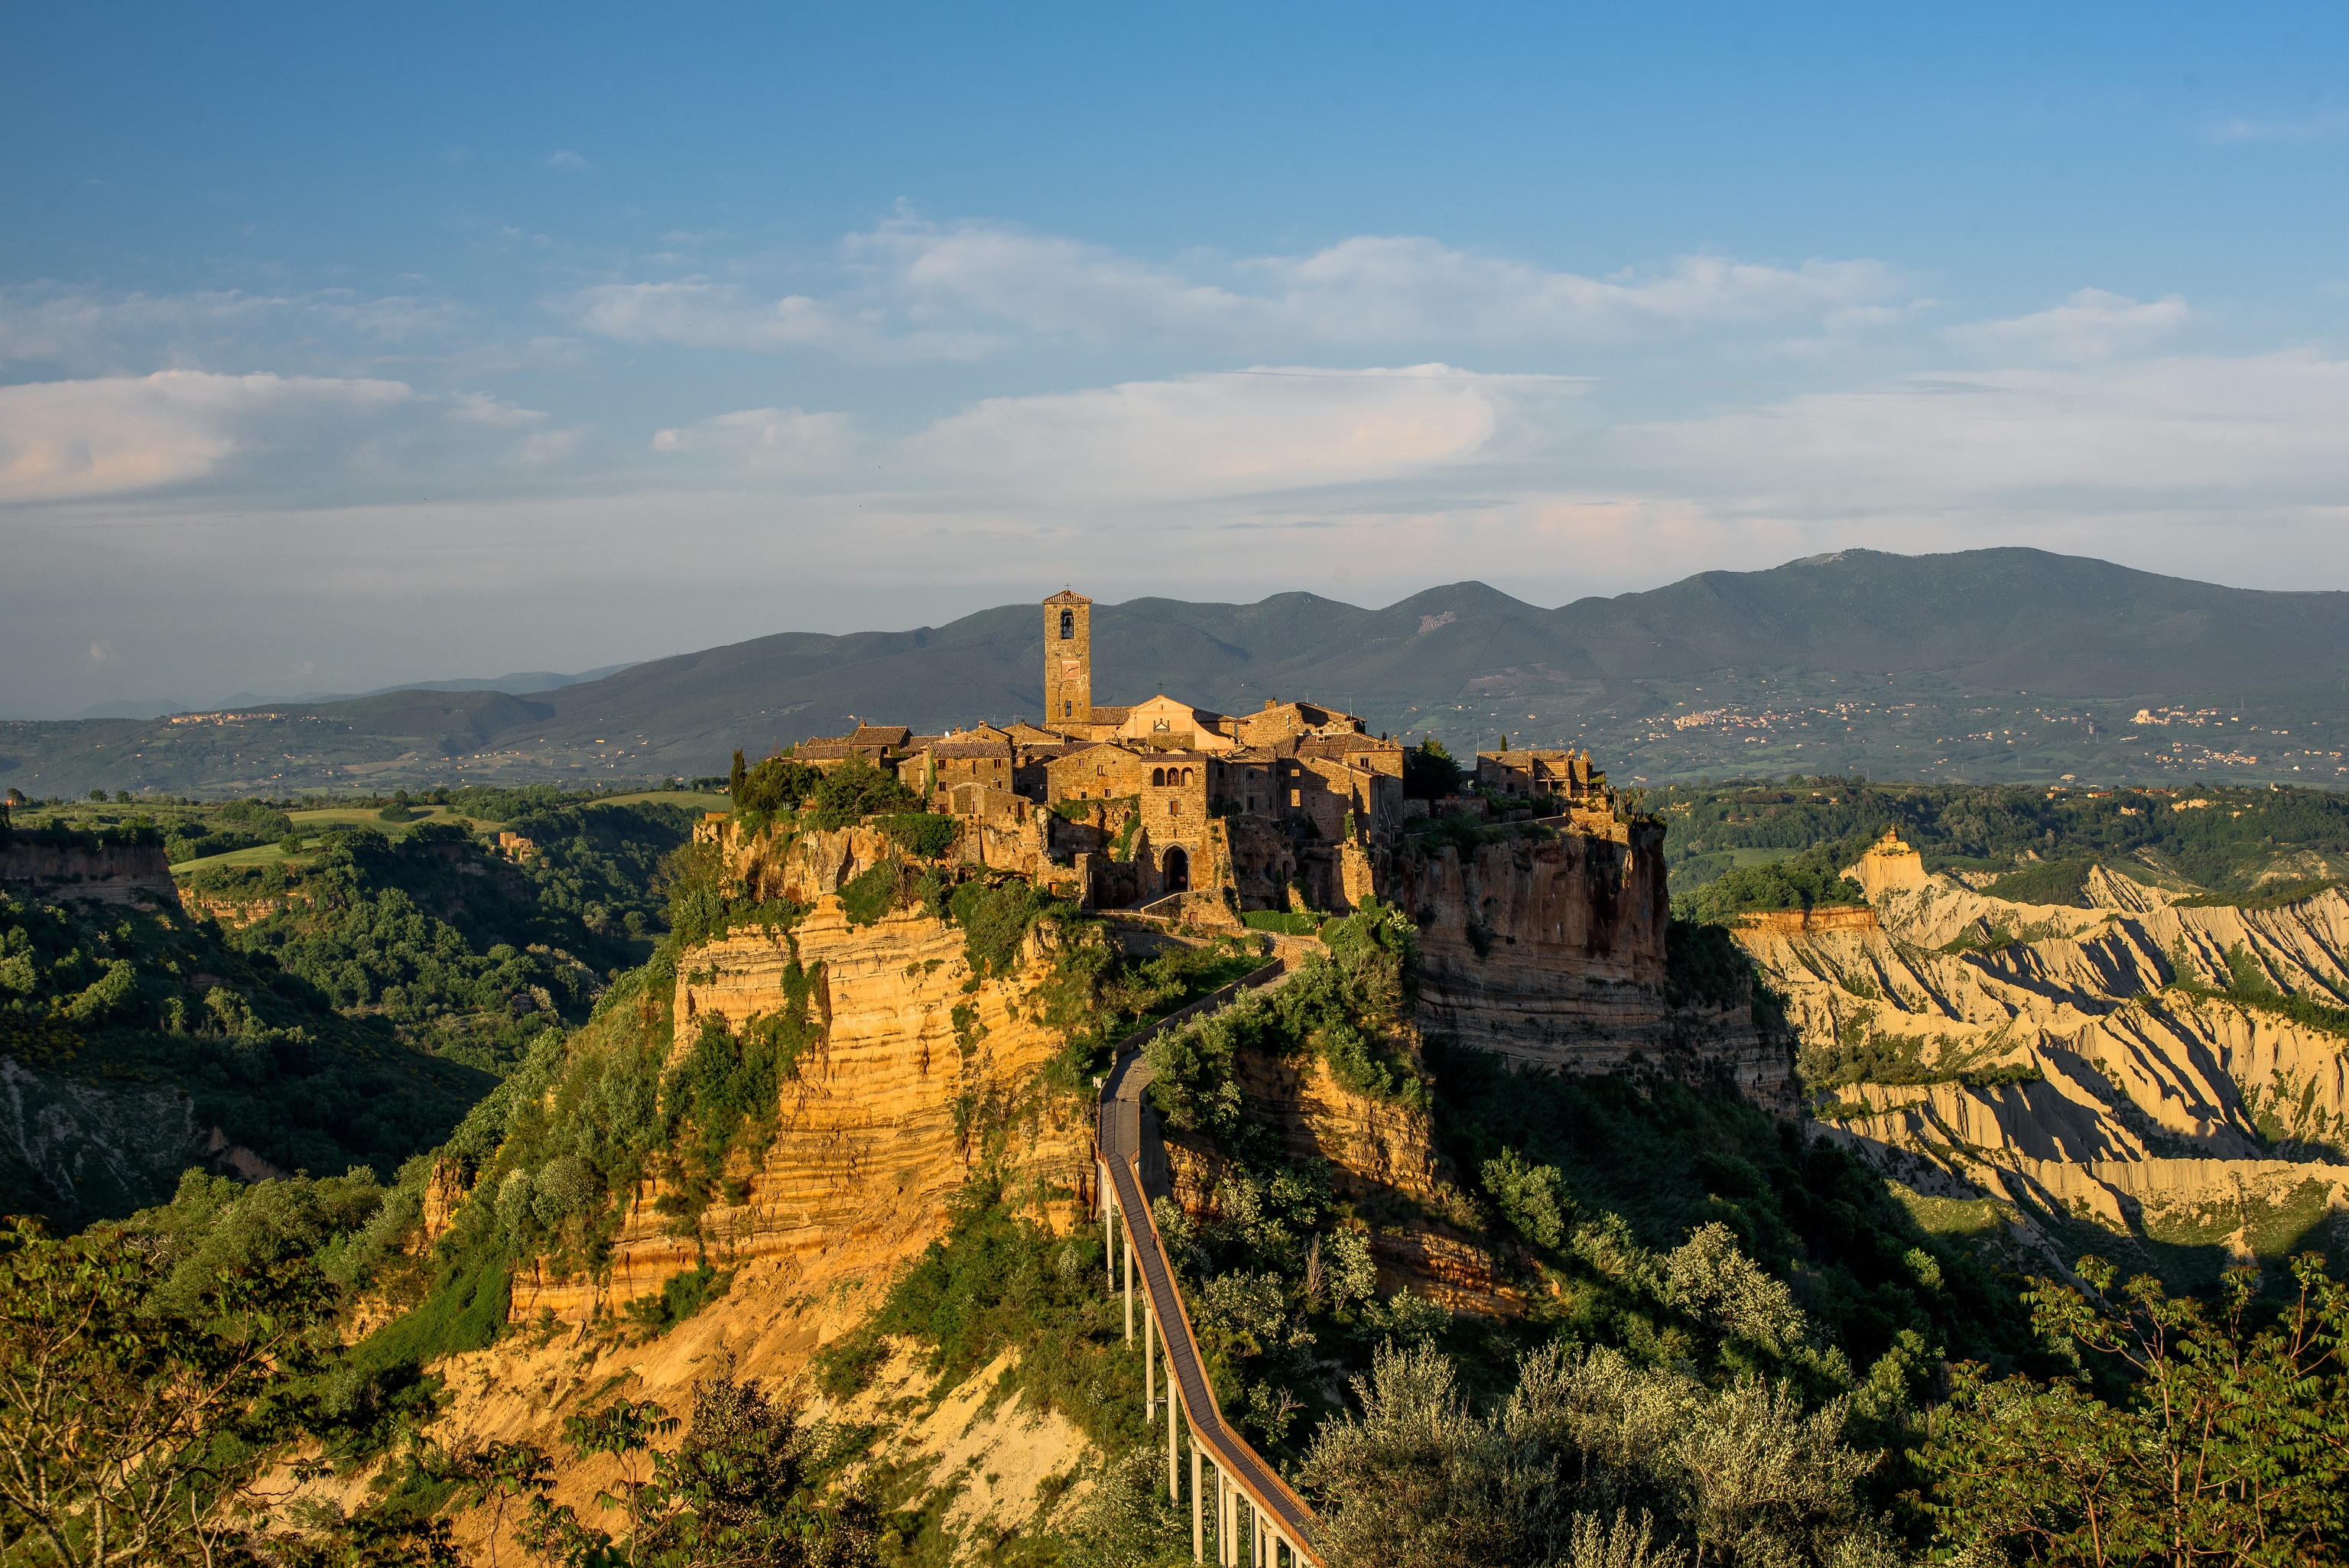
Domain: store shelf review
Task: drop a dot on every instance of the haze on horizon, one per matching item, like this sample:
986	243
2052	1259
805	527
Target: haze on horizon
338	350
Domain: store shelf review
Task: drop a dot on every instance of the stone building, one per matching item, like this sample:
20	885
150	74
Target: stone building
1295	805
1564	775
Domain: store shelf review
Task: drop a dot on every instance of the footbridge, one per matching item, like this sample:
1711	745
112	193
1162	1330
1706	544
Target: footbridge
1236	1498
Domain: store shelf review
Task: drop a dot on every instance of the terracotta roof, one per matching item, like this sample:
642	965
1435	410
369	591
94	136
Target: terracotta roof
1105	714
1068	596
998	748
880	735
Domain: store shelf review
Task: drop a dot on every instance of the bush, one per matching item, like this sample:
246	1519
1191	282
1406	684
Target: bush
995	922
777	784
926	835
852	792
1807	881
2055	881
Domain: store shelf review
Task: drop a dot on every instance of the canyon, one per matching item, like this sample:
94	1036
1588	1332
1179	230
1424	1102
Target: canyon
2081	1071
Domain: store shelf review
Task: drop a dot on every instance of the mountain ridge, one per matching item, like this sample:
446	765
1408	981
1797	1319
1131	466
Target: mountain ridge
1645	678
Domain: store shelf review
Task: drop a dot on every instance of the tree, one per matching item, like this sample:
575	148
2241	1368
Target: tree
2225	1442
1428	773
131	1432
741	1490
734	781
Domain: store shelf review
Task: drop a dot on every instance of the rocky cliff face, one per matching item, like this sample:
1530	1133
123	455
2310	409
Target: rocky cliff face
111	873
883	1123
2046	1057
1553	952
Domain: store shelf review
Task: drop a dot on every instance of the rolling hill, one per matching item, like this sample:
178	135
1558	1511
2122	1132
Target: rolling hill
1990	664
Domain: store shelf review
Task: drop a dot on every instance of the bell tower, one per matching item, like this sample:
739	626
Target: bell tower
1068	659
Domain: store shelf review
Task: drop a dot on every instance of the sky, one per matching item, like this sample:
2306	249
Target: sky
341	347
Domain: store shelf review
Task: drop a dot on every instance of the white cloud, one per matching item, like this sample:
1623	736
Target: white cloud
562	158
1219	435
2331	122
766	440
2091	324
1142	444
274	439
702	315
917	290
85	333
2205	437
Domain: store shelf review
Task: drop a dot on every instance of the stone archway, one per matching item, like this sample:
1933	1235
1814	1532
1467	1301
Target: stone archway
1176	871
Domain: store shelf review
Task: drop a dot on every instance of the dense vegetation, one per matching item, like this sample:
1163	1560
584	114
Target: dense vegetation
2226	841
1735	1344
193	1033
344	1010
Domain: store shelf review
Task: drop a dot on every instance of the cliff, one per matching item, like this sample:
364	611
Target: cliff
882	1121
107	873
1553	951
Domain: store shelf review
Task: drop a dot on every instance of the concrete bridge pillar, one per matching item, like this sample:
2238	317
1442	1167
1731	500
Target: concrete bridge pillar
1199	1514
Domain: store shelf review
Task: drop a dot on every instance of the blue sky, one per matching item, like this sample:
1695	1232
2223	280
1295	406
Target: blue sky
339	346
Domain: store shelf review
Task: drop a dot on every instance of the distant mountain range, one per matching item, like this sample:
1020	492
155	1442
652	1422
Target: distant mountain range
520	684
1990	663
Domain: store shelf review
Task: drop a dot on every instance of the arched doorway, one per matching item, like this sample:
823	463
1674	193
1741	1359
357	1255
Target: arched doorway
1176	869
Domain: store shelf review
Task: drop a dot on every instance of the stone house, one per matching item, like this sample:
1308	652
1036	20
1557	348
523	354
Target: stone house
879	744
1297	801
1566	776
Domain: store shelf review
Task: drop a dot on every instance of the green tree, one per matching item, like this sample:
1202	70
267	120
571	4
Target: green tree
133	1432
1429	772
2226	1441
744	1489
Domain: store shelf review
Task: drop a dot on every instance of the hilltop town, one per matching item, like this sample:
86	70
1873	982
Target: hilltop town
1167	806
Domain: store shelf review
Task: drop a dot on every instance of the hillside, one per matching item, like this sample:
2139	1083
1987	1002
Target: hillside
306	990
1980	666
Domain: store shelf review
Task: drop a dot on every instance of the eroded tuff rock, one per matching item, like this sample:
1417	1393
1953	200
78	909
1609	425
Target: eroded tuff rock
2143	1108
884	1119
1552	953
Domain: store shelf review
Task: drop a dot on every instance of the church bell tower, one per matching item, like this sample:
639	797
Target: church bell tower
1068	659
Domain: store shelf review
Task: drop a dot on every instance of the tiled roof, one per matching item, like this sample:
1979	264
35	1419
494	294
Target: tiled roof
880	735
1068	596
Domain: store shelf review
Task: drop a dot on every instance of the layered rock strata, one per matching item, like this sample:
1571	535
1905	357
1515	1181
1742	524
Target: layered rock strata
882	1121
2048	1058
1552	953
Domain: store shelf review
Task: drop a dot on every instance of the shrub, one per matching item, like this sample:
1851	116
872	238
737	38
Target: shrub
1806	881
852	792
777	784
926	835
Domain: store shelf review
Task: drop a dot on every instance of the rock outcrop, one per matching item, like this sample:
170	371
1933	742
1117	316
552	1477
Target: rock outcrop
1552	953
882	1121
106	873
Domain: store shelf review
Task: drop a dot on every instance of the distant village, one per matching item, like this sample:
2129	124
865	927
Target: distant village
1165	802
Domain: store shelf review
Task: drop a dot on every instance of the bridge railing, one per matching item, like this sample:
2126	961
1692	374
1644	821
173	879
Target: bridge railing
1280	1517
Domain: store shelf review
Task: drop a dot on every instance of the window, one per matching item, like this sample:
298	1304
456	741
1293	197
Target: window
1068	707
1173	808
1067	626
1158	777
1297	796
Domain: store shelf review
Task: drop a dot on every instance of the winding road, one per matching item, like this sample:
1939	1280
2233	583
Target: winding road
1280	1517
